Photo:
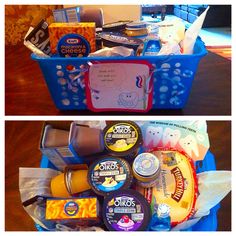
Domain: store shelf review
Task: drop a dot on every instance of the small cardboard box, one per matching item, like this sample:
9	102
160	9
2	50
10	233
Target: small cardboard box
58	32
60	155
81	211
71	14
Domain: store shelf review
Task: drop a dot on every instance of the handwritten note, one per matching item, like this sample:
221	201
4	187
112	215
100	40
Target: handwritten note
118	86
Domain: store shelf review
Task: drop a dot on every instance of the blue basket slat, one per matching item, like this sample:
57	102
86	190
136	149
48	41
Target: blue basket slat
207	223
172	80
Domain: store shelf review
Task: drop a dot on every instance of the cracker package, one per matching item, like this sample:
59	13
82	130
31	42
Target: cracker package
72	39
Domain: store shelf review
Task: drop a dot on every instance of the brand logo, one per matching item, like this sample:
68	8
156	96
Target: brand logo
179	181
124	202
71	208
122	129
139	81
72	41
108	165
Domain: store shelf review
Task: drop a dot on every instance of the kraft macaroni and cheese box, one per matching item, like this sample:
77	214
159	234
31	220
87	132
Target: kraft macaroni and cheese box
83	209
72	39
56	144
71	14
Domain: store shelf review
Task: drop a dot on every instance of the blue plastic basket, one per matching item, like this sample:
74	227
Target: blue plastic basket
172	80
207	223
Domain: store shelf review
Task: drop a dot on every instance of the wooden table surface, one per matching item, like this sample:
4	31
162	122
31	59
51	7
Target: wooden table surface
21	145
26	92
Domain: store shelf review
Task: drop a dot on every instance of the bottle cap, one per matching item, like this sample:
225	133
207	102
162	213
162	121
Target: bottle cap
163	210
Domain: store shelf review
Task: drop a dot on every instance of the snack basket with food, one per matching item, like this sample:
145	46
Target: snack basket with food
208	223
143	65
172	77
129	192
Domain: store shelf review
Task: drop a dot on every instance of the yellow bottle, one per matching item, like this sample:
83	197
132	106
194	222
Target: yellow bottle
69	183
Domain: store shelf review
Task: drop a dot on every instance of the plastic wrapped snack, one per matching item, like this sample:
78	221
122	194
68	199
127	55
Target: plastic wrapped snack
171	30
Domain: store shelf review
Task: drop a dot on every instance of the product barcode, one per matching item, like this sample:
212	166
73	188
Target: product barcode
65	152
72	15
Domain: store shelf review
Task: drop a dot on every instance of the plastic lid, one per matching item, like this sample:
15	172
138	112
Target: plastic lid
109	174
115	26
116	39
126	210
163	210
135	25
122	138
146	164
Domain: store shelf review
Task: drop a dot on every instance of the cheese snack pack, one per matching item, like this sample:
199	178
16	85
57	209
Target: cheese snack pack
72	39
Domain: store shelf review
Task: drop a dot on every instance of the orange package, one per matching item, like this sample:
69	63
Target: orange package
72	208
72	39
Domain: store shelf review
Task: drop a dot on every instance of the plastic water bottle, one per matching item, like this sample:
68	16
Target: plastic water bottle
161	219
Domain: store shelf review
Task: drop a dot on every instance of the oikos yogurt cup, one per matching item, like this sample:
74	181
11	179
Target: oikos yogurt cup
126	210
122	139
109	174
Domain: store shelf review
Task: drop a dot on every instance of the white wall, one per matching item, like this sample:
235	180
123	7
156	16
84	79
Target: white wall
114	13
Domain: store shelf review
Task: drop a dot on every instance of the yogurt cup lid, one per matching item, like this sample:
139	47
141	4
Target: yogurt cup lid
120	39
135	29
146	164
126	210
134	25
122	137
109	174
115	25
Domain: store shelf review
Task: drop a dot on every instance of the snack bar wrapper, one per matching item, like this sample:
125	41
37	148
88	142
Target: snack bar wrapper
37	39
213	186
190	137
33	48
192	33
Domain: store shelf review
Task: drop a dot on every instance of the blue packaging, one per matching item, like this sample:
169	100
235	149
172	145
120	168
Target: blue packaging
151	47
59	156
73	45
71	14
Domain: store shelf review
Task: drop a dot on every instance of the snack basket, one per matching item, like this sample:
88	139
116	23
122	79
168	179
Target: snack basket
207	223
172	78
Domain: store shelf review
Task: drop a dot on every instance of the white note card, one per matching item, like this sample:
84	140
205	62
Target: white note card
119	86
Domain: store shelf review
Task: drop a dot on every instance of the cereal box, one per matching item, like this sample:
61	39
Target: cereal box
72	208
72	39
